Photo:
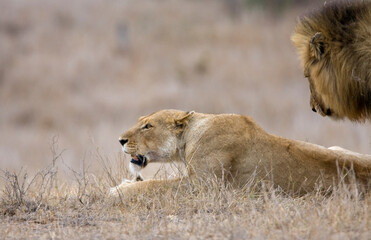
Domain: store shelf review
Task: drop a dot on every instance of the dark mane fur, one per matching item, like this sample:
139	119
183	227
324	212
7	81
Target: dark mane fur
334	44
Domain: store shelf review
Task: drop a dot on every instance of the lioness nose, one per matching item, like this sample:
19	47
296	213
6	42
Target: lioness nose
123	141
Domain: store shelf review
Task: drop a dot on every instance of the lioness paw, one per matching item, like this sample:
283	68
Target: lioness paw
114	191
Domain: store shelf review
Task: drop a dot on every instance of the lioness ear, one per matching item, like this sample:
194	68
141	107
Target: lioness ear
182	122
317	45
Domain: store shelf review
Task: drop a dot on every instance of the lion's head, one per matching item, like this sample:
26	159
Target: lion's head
320	68
155	138
332	44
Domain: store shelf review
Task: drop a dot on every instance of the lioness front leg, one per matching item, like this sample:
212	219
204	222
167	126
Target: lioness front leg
143	187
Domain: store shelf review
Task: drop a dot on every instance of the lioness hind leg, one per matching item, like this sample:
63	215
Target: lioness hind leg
360	162
337	148
346	151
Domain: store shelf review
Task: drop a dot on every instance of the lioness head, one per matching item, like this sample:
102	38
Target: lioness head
155	137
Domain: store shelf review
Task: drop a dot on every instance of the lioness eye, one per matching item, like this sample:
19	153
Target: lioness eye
147	126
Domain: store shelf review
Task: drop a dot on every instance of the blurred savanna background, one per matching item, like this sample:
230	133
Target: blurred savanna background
74	75
82	72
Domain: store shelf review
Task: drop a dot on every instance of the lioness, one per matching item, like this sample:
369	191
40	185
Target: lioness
234	148
334	44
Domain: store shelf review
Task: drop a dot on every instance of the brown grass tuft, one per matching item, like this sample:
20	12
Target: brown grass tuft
198	209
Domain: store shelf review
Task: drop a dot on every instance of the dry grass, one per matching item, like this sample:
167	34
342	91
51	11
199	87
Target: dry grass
85	71
51	209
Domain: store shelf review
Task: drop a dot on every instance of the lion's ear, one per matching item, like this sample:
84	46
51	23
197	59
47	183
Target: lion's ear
317	45
183	121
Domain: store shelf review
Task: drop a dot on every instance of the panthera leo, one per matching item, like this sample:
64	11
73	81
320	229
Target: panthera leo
233	148
334	44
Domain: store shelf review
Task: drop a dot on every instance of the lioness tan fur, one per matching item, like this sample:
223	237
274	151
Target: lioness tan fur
334	44
234	148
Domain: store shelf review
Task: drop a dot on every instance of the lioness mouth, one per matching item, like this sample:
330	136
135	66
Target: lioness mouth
139	160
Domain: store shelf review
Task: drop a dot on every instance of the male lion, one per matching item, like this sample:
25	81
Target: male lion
334	45
234	148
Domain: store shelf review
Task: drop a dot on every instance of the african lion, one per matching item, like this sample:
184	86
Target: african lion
334	44
233	148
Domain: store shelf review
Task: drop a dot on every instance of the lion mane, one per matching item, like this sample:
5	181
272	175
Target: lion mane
334	44
234	148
